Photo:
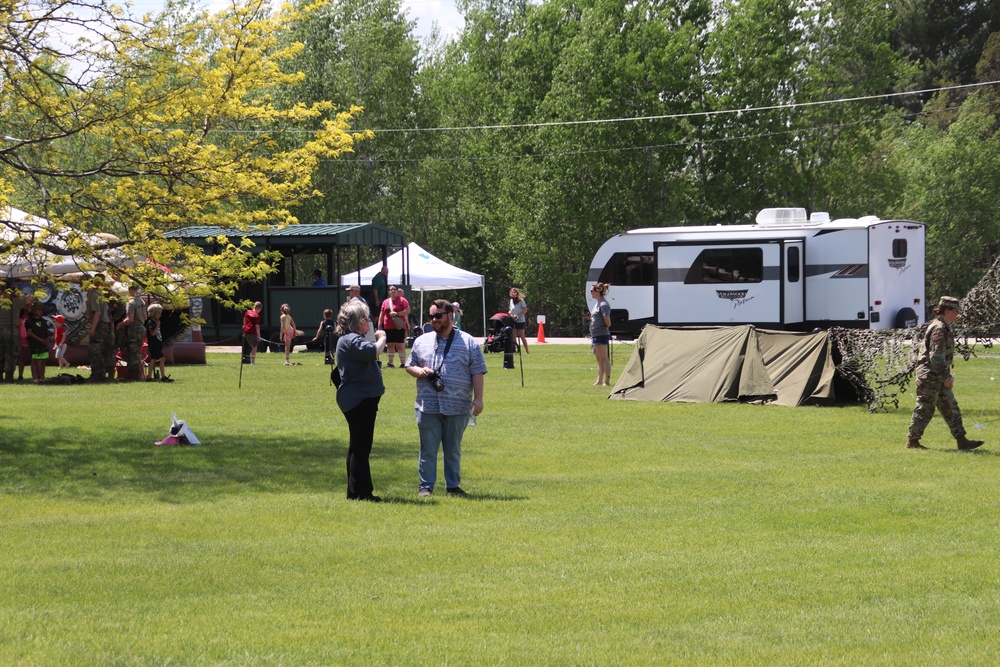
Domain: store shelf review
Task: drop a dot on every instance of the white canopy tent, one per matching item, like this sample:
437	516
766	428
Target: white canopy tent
427	274
29	261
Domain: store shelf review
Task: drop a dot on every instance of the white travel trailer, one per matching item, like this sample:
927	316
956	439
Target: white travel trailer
788	272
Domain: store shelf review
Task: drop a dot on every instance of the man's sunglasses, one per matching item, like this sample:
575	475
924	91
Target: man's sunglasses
438	316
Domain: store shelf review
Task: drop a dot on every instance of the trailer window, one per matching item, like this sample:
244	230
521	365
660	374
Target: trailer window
899	248
626	268
793	264
726	265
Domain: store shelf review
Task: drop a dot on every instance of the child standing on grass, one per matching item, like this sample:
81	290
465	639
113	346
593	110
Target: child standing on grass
23	357
287	331
154	345
37	331
60	341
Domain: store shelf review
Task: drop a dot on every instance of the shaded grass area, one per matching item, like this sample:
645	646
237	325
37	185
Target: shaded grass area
599	532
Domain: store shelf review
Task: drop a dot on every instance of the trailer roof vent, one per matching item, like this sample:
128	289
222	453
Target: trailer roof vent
820	217
781	216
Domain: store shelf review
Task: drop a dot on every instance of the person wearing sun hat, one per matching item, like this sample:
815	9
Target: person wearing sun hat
935	379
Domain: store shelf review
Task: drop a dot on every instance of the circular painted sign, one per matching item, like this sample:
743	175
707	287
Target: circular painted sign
71	303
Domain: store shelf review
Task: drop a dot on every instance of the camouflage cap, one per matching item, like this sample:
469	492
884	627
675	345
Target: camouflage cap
948	302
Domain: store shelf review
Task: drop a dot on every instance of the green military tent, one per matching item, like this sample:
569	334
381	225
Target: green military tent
740	363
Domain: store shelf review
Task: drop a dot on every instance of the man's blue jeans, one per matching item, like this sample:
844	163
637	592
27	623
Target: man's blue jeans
447	431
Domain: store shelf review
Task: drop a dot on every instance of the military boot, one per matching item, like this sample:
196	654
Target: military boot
914	444
966	444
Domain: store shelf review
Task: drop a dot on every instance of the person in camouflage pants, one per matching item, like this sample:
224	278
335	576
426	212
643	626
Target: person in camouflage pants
935	381
134	324
102	342
10	331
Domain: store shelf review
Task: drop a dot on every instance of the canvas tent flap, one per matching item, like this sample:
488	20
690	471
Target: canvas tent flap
800	365
695	365
713	364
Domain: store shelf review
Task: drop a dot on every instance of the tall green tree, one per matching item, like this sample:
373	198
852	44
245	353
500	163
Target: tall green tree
944	39
466	203
949	158
148	126
360	53
757	55
597	179
842	148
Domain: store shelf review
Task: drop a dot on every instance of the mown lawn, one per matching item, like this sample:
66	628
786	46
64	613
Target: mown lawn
599	532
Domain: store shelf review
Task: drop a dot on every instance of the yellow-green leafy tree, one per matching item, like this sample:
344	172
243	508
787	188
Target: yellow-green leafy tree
115	130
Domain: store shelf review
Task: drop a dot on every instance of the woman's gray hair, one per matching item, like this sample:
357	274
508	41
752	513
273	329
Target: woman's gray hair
350	316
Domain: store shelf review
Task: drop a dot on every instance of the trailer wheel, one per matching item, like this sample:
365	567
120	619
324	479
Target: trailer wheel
906	318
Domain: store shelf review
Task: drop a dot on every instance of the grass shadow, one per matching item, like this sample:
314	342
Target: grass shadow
61	462
493	497
970	452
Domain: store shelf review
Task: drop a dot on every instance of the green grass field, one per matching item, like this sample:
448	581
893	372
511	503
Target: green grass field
599	532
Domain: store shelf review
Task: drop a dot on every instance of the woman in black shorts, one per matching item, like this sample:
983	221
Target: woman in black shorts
518	311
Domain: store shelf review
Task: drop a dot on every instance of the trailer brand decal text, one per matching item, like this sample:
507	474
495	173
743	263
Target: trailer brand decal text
737	296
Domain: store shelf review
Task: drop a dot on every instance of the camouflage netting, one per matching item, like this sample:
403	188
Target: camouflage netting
980	319
879	364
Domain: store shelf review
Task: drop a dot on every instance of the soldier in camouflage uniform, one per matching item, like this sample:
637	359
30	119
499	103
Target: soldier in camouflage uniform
102	342
934	379
10	331
134	324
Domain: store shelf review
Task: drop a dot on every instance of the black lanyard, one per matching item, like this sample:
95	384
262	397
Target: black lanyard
447	347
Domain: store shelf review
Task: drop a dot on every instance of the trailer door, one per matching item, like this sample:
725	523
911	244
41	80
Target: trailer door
793	283
719	283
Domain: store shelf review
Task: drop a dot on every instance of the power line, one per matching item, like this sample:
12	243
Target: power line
690	114
624	149
599	121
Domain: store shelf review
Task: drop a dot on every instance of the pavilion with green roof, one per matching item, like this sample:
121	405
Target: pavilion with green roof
335	249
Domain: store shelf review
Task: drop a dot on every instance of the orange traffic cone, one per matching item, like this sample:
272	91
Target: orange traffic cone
541	332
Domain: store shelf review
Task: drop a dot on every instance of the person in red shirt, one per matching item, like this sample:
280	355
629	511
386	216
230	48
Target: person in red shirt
251	332
393	318
60	341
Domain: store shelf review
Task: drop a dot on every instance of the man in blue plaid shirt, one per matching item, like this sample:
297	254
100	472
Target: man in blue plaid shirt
449	368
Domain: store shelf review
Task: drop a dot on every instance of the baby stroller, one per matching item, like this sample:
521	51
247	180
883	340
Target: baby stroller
329	338
501	331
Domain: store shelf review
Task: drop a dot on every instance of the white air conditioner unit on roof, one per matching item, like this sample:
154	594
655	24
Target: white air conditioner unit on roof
782	216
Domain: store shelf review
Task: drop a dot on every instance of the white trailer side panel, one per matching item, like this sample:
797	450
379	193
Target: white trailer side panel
697	285
837	276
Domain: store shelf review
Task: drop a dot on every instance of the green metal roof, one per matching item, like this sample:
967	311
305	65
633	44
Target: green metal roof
339	233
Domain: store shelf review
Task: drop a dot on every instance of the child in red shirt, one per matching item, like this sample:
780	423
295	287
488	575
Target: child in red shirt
60	341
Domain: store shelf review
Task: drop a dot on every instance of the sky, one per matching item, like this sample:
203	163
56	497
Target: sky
424	12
